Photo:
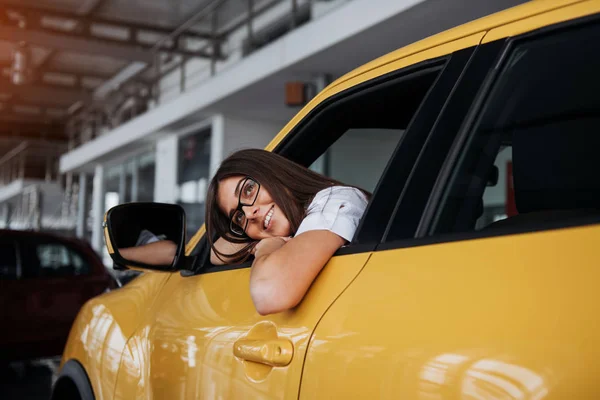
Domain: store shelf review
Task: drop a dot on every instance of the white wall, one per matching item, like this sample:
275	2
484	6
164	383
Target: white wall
98	208
241	133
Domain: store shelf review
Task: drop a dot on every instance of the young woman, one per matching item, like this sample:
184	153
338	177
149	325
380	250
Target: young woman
291	219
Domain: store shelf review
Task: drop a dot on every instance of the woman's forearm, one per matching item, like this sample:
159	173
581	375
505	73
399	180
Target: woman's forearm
279	280
157	253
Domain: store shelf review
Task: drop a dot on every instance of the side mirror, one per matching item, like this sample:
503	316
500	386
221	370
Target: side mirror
132	230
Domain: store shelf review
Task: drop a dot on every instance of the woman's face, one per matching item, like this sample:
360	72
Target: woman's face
264	218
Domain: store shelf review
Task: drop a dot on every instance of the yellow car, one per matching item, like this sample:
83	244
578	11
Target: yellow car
474	271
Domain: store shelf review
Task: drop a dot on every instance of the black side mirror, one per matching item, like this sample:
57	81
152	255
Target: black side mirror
146	236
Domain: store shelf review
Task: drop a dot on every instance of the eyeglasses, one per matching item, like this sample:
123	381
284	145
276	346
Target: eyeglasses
249	189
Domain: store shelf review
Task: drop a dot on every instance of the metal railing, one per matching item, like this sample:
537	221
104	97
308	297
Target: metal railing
36	164
107	113
31	159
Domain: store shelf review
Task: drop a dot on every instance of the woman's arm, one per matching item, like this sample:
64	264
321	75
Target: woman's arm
157	253
281	276
225	247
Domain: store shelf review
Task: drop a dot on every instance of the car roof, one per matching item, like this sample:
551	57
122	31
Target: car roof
47	235
476	26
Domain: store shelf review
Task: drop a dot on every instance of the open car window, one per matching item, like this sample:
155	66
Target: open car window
352	136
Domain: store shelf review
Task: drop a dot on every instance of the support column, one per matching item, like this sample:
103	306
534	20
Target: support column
6	210
98	209
217	139
36	208
82	209
135	176
122	184
165	178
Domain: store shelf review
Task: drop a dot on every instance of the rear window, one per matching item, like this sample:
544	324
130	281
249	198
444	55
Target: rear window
58	260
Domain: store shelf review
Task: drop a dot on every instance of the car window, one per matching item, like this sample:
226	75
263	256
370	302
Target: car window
531	160
353	137
372	134
353	140
359	157
56	259
9	268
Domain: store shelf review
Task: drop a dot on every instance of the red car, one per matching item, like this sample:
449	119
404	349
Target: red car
44	281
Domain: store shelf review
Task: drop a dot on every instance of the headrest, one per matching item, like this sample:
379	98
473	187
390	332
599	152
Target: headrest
557	166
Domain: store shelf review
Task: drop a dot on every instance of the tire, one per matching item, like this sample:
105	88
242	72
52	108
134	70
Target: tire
72	383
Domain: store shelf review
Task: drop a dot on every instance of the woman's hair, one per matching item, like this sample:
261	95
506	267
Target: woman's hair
292	187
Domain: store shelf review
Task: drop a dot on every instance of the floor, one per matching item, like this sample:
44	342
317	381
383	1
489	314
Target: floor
28	381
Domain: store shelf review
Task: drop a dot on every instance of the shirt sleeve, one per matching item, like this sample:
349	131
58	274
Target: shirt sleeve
337	209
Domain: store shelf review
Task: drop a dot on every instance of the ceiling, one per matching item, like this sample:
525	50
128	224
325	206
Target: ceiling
74	47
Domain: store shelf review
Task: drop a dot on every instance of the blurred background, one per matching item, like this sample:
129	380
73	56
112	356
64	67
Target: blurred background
104	102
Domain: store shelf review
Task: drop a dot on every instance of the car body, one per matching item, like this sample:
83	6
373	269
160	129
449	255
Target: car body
439	295
45	279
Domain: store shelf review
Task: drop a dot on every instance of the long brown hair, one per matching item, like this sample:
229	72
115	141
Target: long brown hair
292	187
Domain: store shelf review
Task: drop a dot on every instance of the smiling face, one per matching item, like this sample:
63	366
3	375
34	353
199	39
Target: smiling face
265	219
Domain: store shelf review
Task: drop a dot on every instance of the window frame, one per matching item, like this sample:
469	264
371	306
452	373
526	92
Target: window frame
423	235
449	70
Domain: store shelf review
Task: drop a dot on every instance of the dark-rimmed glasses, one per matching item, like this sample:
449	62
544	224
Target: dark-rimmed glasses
248	194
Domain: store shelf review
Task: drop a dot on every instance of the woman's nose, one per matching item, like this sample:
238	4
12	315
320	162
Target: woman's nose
250	211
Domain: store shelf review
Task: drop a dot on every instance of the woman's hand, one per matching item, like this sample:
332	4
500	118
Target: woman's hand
268	246
157	253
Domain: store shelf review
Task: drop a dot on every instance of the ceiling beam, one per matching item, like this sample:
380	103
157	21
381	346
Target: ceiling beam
77	73
89	44
9	141
10	128
77	78
15	101
9	115
86	21
52	94
91	9
66	42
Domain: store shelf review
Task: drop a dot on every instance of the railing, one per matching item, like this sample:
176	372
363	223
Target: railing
173	72
34	160
36	164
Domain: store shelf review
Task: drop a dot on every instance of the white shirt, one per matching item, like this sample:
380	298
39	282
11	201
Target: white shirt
337	209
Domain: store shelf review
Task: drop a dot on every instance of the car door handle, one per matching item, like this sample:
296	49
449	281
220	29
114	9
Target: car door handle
275	352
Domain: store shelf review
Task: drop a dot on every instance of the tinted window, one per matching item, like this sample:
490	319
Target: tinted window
8	260
55	259
533	155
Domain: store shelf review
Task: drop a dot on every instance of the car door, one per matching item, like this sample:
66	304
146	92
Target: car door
204	339
13	300
56	277
468	303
